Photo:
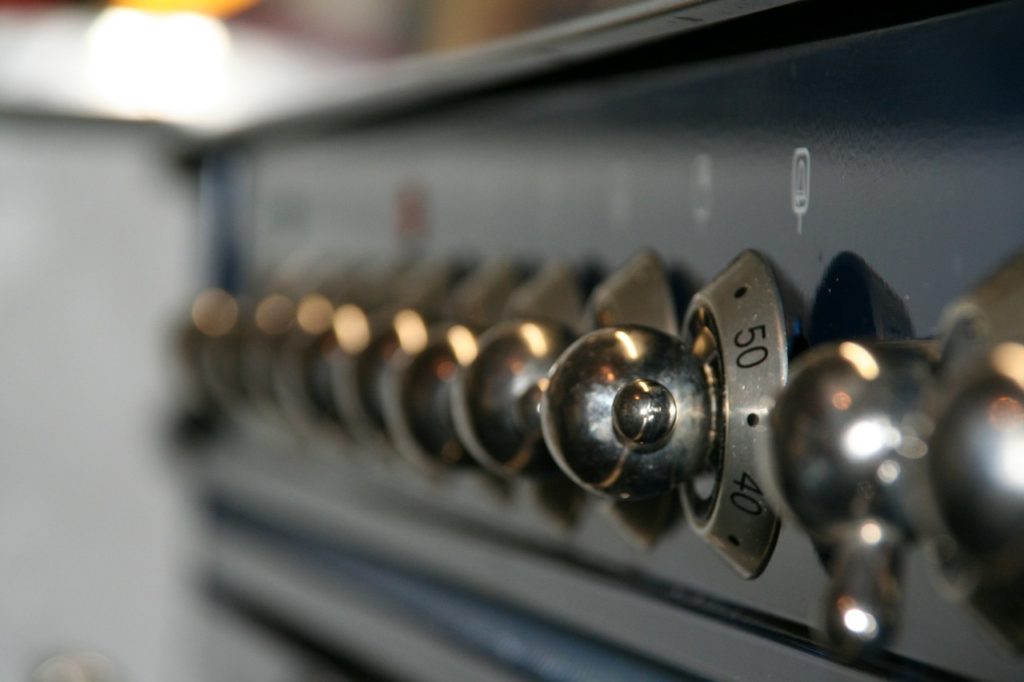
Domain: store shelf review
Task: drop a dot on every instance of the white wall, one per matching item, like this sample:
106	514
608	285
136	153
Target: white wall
95	259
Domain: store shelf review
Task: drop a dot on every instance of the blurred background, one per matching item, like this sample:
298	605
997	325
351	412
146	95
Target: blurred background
95	532
98	256
216	64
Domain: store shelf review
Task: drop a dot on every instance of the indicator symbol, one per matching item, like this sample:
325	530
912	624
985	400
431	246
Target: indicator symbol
702	190
801	185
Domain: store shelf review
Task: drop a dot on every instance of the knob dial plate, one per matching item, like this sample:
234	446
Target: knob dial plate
738	328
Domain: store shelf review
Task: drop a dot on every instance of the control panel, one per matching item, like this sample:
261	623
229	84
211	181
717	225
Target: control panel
504	374
696	357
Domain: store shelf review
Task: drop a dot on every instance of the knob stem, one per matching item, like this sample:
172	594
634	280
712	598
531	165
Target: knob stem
864	598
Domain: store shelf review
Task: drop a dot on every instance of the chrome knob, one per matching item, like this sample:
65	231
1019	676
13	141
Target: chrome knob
333	327
262	338
370	336
212	326
977	460
877	447
418	404
418	407
977	478
637	295
977	451
644	413
360	382
496	401
627	412
640	292
633	412
848	464
302	373
862	605
496	404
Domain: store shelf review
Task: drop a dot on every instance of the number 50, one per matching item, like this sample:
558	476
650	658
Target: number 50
752	355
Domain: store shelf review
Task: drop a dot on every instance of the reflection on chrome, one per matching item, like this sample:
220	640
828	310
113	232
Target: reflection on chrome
214	312
534	338
871	533
861	359
352	328
888	471
841	400
1010	457
463	344
314	314
1008	359
411	331
1006	413
275	314
870	437
860	622
627	345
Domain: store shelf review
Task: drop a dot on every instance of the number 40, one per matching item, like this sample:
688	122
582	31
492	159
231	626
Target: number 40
743	500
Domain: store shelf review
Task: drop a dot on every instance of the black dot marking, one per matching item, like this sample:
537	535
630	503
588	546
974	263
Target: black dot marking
740	293
734	540
753	419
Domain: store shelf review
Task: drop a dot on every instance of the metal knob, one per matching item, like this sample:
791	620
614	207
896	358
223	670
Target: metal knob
418	408
370	335
496	404
302	374
634	411
212	324
359	381
640	292
977	477
977	449
628	412
637	295
977	459
262	338
848	464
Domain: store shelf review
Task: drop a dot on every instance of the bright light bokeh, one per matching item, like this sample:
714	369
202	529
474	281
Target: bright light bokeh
314	314
411	331
533	335
217	8
861	359
871	533
1010	458
869	437
860	622
157	65
351	328
627	344
463	344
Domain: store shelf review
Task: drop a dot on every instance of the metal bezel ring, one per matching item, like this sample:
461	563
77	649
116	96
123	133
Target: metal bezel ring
738	326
